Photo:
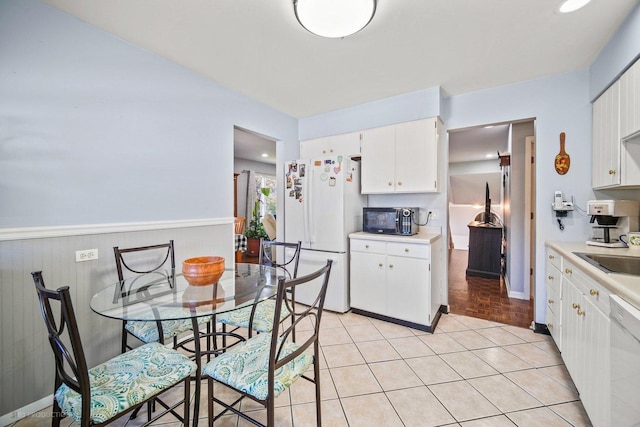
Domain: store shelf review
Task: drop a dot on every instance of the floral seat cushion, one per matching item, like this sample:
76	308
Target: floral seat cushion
245	367
127	380
262	319
147	332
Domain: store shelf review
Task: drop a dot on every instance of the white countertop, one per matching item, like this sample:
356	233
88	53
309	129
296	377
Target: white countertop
425	236
625	286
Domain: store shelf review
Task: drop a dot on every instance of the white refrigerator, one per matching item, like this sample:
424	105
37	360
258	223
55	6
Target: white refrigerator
322	206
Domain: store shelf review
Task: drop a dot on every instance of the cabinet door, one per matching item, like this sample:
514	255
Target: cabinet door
606	139
313	148
630	101
595	393
368	282
378	160
347	144
408	289
416	160
554	307
572	330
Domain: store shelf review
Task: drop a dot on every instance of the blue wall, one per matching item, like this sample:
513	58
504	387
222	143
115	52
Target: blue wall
96	130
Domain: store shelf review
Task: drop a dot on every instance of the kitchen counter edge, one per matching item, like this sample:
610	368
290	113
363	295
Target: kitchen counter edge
423	237
626	286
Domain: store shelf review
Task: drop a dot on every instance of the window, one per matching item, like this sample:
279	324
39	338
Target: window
268	203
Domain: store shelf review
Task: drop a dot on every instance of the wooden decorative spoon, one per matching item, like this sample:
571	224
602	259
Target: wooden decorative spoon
563	161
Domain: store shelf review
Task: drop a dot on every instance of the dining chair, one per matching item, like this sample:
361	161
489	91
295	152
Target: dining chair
97	396
269	223
149	259
264	366
260	317
239	224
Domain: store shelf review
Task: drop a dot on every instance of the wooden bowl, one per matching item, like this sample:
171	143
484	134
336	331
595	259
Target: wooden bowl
204	270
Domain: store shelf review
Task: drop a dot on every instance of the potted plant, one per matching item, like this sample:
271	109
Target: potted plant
255	230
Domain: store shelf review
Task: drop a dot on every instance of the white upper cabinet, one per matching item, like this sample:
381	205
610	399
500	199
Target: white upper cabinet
401	158
347	144
630	102
606	139
616	133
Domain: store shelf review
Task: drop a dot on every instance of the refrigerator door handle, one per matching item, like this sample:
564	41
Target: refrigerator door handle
309	205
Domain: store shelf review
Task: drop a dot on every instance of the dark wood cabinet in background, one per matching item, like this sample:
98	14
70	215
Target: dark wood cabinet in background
485	250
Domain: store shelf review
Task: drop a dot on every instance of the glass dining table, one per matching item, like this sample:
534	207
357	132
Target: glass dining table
166	295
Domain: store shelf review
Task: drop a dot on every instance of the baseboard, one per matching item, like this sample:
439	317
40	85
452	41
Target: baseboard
513	294
541	328
27	410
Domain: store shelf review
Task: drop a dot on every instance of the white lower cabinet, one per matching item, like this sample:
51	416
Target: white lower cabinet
554	299
394	280
583	336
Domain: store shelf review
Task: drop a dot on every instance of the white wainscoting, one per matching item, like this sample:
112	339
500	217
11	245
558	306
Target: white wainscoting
26	361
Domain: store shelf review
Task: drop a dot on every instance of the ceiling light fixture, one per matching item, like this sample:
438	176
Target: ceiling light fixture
572	5
334	18
264	155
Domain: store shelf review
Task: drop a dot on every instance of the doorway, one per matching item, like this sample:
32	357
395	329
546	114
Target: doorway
492	156
254	167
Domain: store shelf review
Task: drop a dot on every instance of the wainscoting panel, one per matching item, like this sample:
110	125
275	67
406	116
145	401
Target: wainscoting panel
26	361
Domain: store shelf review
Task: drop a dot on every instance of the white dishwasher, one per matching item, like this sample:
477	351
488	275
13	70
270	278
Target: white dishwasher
625	363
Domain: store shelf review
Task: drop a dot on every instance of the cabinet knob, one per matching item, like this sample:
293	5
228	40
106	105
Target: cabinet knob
550	301
551	257
366	246
399	182
574	305
549	325
550	277
331	151
594	292
390	183
568	271
612	172
390	265
324	151
380	265
406	250
580	312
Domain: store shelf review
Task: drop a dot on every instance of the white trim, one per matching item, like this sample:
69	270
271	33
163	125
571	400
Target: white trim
27	410
79	230
512	294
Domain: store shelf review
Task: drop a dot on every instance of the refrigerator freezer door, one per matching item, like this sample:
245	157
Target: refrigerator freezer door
295	202
338	289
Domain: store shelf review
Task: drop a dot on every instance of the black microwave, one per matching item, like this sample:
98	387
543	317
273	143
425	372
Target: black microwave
390	221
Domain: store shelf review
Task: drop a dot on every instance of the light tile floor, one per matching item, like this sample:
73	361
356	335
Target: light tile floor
470	372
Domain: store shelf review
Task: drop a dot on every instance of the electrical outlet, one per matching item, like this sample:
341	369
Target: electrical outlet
434	214
86	255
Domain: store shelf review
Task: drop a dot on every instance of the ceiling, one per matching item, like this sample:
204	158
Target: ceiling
477	143
257	48
250	146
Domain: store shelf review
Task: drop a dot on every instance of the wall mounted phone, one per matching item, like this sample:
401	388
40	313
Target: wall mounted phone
560	207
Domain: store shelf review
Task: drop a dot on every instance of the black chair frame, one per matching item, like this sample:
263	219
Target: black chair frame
71	365
265	258
279	336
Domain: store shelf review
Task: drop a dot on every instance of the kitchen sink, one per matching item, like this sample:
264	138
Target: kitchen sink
613	263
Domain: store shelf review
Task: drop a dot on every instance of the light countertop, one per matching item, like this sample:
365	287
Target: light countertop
626	286
425	236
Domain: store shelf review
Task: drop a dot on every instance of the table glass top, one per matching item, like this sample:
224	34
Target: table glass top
162	295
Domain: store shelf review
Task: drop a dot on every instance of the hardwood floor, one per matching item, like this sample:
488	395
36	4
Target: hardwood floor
483	298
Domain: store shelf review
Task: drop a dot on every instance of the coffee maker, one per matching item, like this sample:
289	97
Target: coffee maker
612	219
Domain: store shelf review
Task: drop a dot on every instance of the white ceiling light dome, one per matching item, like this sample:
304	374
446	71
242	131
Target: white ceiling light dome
334	18
569	6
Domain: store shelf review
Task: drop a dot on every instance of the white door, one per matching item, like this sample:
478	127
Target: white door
326	204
